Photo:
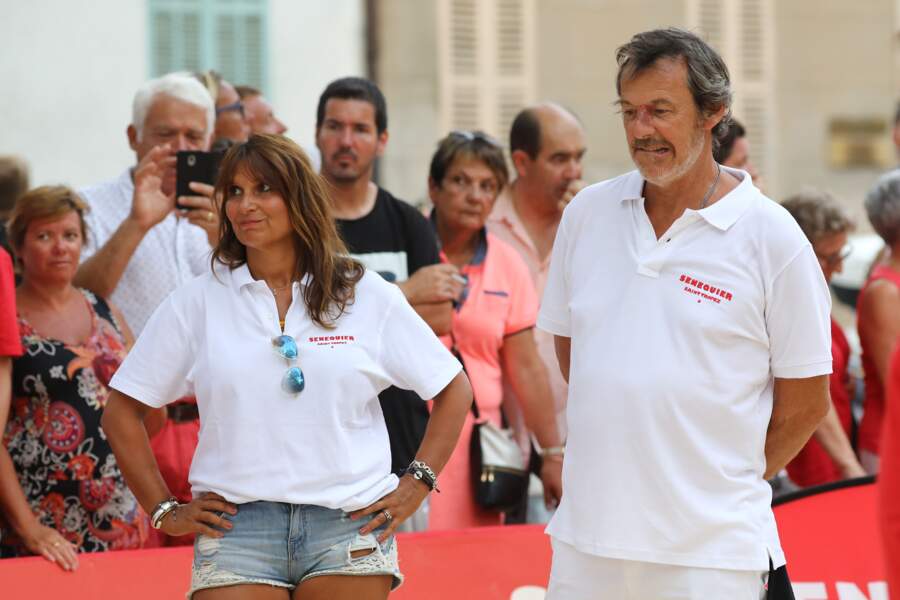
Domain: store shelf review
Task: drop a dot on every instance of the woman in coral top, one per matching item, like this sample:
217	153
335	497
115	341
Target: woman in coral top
878	314
493	321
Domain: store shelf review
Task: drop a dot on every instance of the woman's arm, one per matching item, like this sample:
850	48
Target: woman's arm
156	418
38	539
831	436
451	406
123	422
523	367
880	307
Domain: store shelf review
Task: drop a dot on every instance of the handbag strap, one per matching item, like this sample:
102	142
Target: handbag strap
455	351
504	423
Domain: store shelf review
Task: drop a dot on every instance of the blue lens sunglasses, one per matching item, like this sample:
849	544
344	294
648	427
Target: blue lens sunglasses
293	381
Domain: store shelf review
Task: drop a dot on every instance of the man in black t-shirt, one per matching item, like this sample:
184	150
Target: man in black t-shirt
386	234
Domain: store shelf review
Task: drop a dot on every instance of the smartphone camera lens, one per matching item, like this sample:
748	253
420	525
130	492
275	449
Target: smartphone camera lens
191	160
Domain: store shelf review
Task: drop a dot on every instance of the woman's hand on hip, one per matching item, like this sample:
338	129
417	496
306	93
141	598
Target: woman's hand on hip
49	543
201	515
394	508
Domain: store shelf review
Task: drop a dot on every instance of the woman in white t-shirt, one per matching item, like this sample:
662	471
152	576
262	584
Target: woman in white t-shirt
286	345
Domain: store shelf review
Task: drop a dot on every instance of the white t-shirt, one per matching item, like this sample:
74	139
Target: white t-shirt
327	445
675	344
172	253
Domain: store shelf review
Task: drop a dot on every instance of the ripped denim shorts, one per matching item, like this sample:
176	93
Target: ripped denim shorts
283	545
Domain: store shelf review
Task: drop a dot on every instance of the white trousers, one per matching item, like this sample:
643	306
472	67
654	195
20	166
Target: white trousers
579	576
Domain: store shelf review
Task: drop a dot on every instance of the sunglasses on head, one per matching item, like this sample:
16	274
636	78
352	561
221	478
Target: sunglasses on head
293	381
472	136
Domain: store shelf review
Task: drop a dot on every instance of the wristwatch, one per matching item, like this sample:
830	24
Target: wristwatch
161	510
421	471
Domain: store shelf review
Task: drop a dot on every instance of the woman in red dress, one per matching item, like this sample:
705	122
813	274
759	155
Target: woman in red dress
878	314
828	456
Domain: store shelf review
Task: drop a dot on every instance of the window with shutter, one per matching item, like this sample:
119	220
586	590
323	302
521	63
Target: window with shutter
486	62
226	35
743	33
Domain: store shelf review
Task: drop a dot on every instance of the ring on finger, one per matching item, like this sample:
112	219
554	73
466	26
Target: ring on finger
209	216
387	515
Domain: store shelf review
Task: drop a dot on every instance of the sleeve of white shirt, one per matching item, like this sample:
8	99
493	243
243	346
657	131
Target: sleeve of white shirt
156	369
91	244
554	315
798	318
411	355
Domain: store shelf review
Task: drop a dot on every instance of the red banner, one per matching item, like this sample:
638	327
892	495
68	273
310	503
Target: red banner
491	563
830	537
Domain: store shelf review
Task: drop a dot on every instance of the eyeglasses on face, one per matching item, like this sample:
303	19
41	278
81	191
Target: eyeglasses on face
293	381
835	258
238	106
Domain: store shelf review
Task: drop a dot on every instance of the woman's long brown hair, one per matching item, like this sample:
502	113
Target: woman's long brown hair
321	254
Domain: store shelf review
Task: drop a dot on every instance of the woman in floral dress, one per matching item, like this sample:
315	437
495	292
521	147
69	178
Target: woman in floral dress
61	491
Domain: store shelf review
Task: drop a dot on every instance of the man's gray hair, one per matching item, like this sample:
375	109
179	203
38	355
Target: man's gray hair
181	86
707	77
883	206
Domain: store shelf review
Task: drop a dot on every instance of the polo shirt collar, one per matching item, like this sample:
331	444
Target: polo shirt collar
241	277
480	249
721	215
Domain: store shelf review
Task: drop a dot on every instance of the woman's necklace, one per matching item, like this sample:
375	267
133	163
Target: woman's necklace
276	290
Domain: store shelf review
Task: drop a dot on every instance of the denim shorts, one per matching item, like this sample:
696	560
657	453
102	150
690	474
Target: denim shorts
282	545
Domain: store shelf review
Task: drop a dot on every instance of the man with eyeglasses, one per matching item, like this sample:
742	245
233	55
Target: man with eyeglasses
231	120
692	323
387	235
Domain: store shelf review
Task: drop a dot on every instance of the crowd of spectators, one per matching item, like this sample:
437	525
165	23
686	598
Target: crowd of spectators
92	266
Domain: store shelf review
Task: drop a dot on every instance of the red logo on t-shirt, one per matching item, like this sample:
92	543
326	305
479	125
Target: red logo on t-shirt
331	340
701	289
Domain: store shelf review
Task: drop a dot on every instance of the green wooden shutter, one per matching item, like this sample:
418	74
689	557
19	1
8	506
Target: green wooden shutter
226	35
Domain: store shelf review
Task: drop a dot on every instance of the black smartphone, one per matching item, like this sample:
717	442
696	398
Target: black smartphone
201	167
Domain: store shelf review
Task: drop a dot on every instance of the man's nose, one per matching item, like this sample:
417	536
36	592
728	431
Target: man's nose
346	137
181	143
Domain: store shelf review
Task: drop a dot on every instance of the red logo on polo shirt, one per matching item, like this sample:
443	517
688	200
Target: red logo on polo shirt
331	340
704	290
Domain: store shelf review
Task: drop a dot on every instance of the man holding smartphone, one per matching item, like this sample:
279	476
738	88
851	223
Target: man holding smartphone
141	246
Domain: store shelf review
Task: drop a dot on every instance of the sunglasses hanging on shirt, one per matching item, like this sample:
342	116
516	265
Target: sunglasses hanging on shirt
293	381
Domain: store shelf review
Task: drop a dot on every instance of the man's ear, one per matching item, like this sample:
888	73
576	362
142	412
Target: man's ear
132	134
714	118
382	143
521	161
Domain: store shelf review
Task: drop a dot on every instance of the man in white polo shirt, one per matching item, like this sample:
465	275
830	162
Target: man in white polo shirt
692	323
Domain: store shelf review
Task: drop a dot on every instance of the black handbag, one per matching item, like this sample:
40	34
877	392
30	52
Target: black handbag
499	473
498	469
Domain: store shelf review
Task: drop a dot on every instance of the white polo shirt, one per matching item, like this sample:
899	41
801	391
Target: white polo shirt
675	344
172	253
327	445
